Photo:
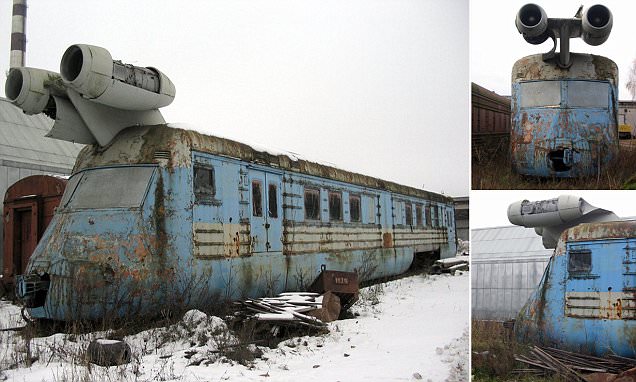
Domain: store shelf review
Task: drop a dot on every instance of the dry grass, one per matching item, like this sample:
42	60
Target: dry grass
492	354
493	170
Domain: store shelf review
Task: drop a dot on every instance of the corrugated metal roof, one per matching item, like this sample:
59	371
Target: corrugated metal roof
511	242
22	139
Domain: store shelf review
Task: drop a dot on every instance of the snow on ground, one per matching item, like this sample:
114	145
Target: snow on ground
411	329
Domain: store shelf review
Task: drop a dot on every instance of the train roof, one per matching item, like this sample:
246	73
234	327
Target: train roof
622	229
584	66
480	91
149	144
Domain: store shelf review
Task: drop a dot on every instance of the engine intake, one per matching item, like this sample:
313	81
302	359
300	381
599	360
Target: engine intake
597	24
532	23
25	87
91	71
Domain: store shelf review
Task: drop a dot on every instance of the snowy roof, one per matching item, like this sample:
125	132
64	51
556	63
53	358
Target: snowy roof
22	139
506	243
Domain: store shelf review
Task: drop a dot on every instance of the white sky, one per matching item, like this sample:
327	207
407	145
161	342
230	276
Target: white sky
495	43
373	86
490	208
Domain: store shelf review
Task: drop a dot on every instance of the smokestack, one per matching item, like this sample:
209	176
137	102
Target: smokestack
18	35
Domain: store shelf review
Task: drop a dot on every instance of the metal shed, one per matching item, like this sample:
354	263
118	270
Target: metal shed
25	151
506	266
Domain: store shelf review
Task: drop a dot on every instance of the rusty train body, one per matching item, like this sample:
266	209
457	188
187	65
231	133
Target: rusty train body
564	121
586	300
164	217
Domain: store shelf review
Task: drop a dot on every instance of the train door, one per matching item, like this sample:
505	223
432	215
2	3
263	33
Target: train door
266	211
25	235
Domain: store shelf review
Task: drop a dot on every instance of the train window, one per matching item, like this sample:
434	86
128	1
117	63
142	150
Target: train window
580	261
588	94
354	208
312	204
418	215
272	210
540	94
335	206
203	182
257	198
434	216
371	210
408	212
429	221
115	187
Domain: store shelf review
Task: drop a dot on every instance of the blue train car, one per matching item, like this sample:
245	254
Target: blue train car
564	105
586	300
564	121
165	218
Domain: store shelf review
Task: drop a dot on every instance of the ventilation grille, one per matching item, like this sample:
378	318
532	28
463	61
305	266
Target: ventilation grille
161	154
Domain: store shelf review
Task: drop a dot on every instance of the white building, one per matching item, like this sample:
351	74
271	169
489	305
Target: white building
507	264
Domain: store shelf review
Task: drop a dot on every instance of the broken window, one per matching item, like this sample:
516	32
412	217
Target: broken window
204	183
409	213
580	261
418	215
312	204
335	206
257	198
272	210
354	208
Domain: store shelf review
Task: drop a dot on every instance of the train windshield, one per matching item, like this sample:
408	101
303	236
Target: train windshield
115	187
565	94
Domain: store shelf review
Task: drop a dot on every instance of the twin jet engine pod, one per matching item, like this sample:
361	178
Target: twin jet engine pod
532	23
25	87
595	24
91	71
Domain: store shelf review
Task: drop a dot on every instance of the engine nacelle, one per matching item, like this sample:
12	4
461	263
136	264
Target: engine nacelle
25	88
532	23
545	212
91	71
596	24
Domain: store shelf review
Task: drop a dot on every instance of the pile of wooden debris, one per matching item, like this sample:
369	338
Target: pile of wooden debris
578	367
331	293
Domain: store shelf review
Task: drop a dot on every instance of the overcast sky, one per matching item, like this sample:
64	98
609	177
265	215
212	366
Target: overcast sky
376	87
495	43
490	208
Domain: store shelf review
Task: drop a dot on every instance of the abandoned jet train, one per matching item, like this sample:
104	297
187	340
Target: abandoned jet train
156	217
564	105
586	299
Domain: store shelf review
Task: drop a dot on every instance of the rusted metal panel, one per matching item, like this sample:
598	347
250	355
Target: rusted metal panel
308	238
564	121
218	240
601	305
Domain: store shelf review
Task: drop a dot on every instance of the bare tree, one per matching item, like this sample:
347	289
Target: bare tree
631	82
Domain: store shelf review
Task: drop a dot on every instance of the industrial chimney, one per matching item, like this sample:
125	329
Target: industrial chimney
18	35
